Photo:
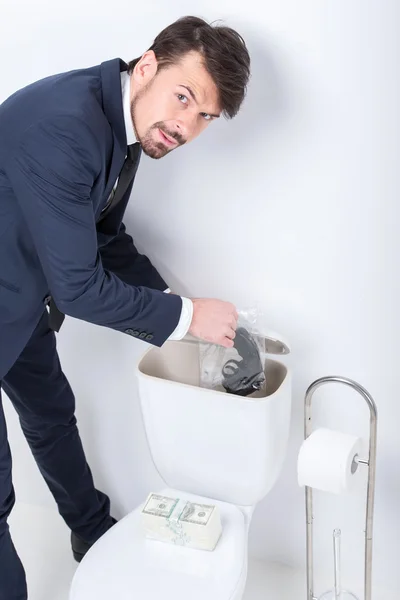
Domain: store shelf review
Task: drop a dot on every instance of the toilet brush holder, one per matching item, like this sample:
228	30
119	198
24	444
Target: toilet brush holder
337	593
371	465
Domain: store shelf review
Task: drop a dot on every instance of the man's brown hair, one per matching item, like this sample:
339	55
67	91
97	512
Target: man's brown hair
224	52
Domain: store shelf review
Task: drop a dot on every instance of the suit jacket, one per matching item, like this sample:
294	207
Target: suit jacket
62	147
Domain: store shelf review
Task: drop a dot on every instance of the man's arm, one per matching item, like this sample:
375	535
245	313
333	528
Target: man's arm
121	257
52	173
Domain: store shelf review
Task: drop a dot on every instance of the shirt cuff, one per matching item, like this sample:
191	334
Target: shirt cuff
185	319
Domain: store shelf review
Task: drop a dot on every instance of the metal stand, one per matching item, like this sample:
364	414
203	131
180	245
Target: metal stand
371	463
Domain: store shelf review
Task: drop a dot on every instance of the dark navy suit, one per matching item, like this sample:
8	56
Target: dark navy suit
62	147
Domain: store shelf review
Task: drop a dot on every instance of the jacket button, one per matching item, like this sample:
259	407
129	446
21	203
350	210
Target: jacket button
143	335
132	332
149	337
47	300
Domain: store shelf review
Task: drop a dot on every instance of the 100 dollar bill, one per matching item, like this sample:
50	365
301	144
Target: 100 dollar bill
160	506
193	512
198	514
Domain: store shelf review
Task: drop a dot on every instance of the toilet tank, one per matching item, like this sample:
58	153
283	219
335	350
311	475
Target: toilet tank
209	442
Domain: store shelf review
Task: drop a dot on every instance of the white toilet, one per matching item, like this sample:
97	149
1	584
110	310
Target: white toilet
209	447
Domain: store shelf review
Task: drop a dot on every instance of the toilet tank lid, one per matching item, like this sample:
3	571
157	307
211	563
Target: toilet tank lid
274	344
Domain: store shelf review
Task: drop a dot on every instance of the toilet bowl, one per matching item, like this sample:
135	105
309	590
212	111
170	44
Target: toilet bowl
123	564
209	447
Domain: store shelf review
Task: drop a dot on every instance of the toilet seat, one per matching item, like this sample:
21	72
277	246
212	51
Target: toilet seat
123	564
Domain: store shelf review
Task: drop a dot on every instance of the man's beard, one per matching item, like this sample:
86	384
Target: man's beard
150	146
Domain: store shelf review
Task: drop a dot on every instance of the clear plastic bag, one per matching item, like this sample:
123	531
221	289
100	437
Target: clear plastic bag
238	370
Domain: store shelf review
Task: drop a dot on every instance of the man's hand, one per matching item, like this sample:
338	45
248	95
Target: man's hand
214	321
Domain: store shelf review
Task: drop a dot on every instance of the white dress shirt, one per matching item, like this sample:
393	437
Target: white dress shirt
187	305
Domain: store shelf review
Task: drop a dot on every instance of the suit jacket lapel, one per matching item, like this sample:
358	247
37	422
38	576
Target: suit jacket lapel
112	105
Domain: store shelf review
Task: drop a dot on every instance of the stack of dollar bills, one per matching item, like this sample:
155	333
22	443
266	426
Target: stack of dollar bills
180	522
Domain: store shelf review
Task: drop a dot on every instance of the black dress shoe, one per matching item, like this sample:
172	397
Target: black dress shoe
80	547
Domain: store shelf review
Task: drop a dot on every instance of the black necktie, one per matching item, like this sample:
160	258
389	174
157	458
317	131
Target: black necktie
128	172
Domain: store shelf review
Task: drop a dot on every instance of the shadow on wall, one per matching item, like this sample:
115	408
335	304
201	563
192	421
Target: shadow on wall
266	103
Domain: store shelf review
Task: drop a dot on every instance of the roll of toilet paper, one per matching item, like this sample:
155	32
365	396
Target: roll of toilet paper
328	461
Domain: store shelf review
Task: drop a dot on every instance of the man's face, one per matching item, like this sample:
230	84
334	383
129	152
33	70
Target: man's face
172	106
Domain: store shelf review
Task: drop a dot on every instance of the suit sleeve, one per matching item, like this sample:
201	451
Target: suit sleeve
121	257
52	174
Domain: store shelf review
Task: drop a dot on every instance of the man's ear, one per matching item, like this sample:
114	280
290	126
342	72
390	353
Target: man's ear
145	69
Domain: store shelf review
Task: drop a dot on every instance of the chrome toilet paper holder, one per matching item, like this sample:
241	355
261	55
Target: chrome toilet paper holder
371	464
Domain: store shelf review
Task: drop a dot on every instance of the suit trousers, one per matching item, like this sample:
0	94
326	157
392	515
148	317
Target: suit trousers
45	403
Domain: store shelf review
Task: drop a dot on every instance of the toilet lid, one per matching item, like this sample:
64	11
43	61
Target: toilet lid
125	565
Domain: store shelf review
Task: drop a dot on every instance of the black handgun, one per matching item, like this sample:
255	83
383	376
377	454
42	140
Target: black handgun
243	377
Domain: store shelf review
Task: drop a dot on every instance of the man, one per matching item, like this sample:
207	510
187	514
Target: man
69	149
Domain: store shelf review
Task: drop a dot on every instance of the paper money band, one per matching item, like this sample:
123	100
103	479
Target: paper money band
177	511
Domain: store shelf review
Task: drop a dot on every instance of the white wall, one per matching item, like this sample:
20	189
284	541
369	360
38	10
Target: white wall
300	190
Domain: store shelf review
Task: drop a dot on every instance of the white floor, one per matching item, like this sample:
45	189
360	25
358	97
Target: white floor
42	541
